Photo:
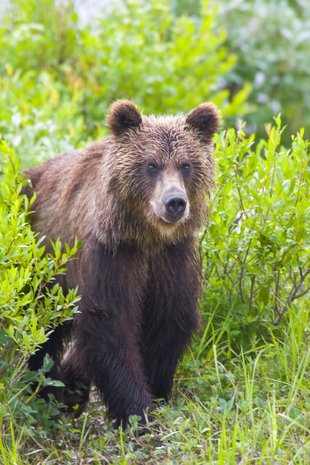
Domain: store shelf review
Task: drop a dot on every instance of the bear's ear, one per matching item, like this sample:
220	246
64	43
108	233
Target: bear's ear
123	115
205	120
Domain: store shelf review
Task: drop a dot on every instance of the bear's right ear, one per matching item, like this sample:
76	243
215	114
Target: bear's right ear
205	120
123	115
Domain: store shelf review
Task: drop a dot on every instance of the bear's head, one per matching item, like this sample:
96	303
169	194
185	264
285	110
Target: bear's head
158	172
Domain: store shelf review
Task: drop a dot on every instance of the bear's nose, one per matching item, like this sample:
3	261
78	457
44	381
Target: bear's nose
175	205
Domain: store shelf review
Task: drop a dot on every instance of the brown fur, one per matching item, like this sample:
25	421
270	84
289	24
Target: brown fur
137	271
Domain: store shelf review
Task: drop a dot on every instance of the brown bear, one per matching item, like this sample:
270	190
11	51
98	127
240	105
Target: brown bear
135	200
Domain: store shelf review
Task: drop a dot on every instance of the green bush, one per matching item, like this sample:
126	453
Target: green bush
31	303
272	42
57	78
175	62
256	250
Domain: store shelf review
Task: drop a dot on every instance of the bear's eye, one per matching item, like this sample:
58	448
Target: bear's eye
152	168
185	168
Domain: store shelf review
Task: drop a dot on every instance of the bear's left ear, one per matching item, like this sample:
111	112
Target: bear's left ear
205	120
123	115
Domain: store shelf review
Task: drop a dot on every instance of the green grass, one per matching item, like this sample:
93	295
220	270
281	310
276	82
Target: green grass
249	409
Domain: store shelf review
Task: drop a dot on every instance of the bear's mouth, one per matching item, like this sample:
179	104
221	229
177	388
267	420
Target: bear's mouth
172	221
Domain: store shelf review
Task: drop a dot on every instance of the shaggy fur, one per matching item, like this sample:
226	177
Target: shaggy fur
137	271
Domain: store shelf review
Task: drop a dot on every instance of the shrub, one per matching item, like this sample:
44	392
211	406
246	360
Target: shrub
31	304
256	251
272	42
58	77
140	50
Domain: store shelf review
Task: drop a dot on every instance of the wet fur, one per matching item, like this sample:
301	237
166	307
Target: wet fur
139	280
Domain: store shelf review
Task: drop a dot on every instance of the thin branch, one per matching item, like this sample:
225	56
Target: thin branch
240	198
294	294
202	237
303	293
276	297
240	278
251	294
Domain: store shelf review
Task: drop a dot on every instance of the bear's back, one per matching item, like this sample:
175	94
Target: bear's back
65	196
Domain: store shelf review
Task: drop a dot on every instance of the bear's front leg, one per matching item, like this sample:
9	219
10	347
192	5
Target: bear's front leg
107	331
108	358
170	313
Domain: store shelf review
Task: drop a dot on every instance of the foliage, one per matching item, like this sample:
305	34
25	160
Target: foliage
60	77
257	246
31	304
272	41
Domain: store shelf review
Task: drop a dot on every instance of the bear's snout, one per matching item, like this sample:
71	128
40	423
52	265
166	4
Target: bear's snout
169	201
175	206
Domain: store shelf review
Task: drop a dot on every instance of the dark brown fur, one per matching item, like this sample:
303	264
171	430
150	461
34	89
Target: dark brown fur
138	274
